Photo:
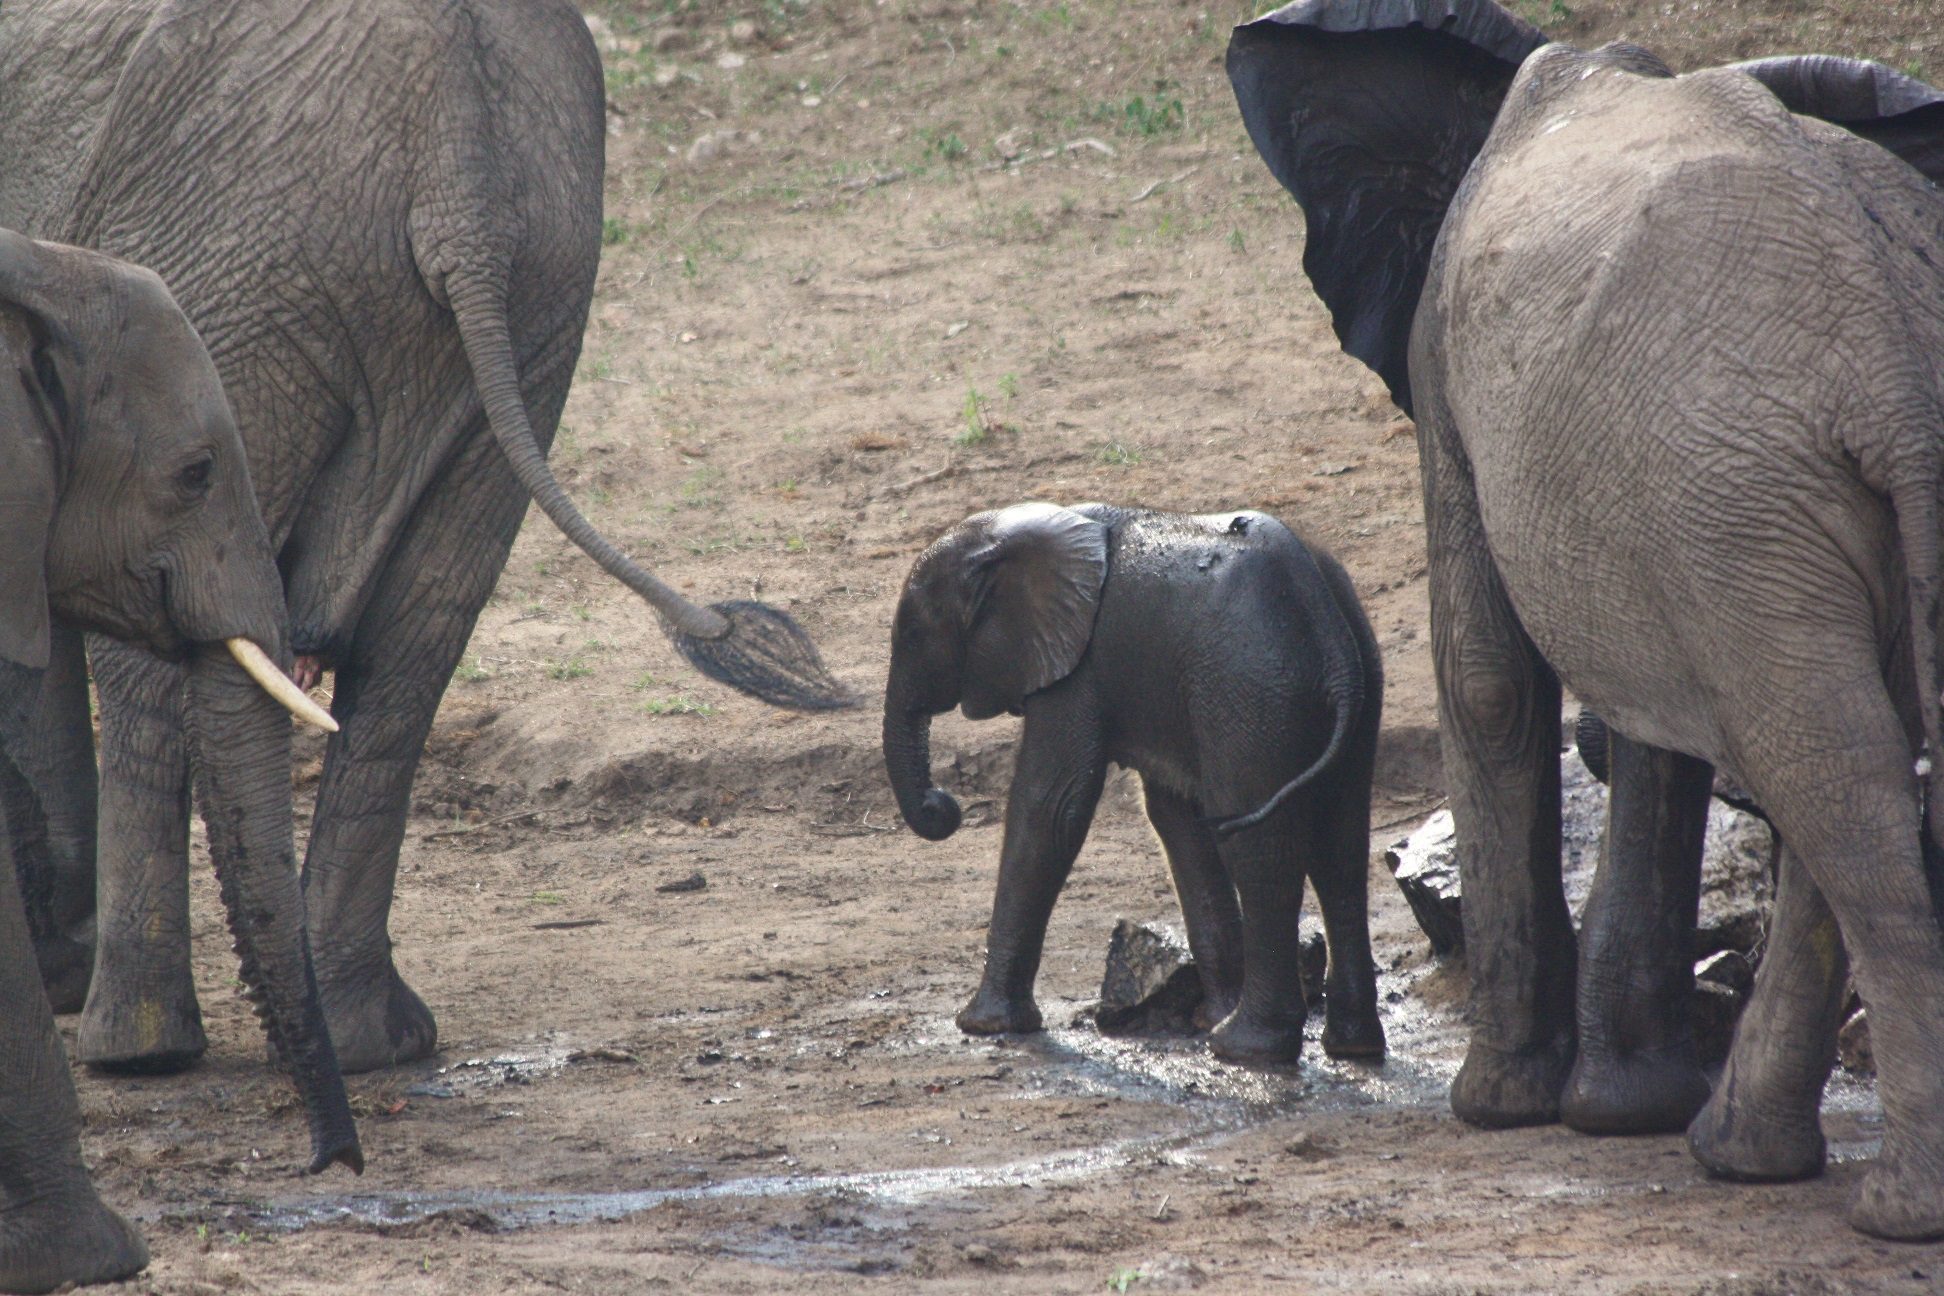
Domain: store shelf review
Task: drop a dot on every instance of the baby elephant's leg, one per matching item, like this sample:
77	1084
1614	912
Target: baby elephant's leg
1340	874
1207	897
1055	788
1266	1028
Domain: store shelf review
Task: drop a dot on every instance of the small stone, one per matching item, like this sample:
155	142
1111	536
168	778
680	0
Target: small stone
744	32
670	39
1425	866
711	145
598	28
1853	1044
811	101
978	1253
1313	956
1307	1147
693	882
1716	1009
1729	968
667	75
1150	982
1009	145
730	61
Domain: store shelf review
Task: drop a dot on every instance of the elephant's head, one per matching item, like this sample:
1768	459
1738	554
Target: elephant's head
126	508
1000	607
1370	113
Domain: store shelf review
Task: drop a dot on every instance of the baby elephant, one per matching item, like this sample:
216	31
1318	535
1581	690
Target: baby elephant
1221	658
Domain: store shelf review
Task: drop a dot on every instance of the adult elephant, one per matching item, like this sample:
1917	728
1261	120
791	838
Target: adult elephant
384	217
1371	114
126	507
1673	355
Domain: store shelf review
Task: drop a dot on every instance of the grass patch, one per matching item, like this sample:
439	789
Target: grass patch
681	704
1118	454
973	428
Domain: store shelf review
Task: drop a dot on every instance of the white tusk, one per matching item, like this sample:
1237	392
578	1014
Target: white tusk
257	664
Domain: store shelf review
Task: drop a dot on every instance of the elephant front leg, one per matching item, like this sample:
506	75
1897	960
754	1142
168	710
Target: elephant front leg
54	1230
1498	719
1207	898
1056	786
1637	1070
141	1013
56	759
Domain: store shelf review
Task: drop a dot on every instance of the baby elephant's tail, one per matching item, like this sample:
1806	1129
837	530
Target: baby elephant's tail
1343	678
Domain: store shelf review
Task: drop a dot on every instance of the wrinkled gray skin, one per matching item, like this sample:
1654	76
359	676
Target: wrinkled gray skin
1720	350
126	508
1222	659
384	216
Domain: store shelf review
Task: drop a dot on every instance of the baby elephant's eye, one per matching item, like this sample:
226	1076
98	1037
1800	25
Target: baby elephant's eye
193	478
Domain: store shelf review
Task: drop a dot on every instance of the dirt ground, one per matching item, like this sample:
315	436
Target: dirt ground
873	266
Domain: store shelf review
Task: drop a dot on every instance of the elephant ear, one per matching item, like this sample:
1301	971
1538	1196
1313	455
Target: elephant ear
33	410
1037	582
1881	104
1370	112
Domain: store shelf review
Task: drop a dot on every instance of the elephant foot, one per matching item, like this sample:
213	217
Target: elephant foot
1244	1041
381	1024
1732	1143
146	1033
990	1013
1352	1033
66	969
1653	1091
1501	1090
1898	1204
47	1245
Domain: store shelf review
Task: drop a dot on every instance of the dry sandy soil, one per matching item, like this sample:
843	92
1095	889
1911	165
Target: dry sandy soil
931	256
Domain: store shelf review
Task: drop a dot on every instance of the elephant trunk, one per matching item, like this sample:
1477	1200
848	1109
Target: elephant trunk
240	738
931	811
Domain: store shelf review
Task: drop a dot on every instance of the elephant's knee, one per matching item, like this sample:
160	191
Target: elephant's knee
1488	703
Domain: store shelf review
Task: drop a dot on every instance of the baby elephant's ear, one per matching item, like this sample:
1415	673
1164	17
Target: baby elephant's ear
1370	112
1881	104
1038	578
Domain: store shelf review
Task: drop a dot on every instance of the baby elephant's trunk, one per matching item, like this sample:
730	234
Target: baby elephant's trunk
931	811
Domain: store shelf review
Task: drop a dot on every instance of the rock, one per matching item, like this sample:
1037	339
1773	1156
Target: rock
603	34
1735	889
1853	1044
670	39
1308	1147
744	32
1150	985
1716	1009
1729	968
729	60
1314	958
711	145
1425	866
693	882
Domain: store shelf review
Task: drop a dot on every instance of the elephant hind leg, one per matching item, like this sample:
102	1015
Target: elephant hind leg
1762	1123
1846	803
1207	898
1638	1071
1266	1028
1498	722
410	638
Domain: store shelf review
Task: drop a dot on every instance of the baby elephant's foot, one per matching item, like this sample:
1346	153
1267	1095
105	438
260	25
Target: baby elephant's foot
1501	1089
991	1013
1733	1142
1353	1032
1246	1042
1651	1091
1899	1203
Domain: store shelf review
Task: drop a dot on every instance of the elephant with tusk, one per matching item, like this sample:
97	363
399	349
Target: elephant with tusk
385	218
1226	661
126	509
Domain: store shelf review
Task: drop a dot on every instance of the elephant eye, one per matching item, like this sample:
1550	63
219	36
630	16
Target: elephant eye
193	478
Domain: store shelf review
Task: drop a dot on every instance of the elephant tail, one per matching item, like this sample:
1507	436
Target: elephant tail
750	646
1344	679
1916	506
